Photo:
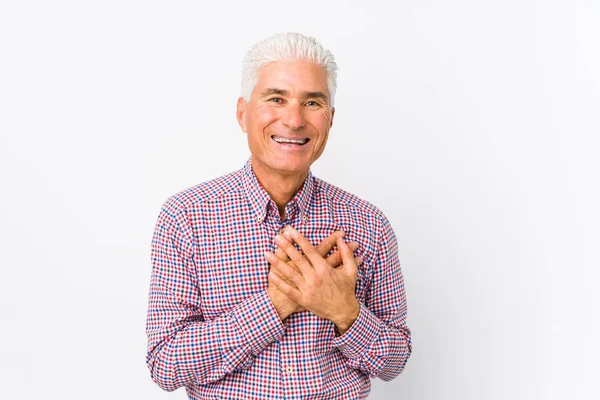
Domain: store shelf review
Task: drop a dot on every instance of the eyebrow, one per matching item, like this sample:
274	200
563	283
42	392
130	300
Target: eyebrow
316	95
269	91
282	92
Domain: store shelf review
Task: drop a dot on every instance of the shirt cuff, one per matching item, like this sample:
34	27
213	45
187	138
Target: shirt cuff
258	321
355	342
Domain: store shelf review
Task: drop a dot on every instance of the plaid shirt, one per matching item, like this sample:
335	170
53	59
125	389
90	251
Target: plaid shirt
211	325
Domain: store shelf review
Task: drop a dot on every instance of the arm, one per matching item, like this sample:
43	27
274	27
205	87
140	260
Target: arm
375	338
184	348
379	341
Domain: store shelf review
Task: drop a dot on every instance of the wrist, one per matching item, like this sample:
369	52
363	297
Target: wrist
347	319
282	304
283	311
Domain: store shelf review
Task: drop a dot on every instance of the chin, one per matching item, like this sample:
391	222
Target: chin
288	166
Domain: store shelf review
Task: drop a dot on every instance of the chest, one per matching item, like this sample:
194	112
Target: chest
230	259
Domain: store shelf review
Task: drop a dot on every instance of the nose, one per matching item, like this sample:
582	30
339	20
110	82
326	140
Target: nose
293	116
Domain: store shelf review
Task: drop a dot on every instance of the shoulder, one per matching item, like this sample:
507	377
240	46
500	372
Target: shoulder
346	199
362	221
205	192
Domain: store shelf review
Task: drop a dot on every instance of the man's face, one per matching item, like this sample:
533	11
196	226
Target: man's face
288	117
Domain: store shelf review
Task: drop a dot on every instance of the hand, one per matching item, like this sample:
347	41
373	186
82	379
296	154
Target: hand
283	304
325	291
334	259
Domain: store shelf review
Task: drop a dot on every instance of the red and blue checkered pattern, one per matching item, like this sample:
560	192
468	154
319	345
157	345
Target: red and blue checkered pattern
211	325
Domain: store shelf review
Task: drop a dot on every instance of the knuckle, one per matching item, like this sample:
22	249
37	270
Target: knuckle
277	264
280	253
292	265
310	250
322	249
283	268
291	273
334	259
297	258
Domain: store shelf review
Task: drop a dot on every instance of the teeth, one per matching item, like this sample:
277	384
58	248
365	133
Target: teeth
284	140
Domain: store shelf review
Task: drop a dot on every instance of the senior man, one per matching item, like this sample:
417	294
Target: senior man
269	282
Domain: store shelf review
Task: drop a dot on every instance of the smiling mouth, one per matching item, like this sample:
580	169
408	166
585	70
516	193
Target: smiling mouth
299	142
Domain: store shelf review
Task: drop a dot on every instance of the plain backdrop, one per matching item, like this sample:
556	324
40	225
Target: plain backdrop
473	125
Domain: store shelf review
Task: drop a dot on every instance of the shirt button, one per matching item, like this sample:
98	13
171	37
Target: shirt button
270	340
289	370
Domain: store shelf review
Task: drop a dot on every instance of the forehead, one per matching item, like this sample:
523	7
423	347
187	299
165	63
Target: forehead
300	75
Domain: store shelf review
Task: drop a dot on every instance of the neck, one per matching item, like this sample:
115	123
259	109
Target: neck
281	187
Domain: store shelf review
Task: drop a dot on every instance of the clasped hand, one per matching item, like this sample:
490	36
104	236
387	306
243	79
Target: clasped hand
313	282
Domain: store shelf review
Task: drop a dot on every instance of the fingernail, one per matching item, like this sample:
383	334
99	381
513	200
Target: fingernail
268	254
279	238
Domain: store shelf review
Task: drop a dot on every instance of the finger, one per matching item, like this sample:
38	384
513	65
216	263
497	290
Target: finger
295	256
327	244
291	263
359	260
279	253
316	260
290	291
348	261
290	275
335	259
284	270
279	274
286	233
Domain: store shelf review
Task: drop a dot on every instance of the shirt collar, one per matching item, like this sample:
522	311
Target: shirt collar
259	198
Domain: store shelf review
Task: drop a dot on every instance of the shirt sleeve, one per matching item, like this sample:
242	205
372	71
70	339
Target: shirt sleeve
379	342
183	347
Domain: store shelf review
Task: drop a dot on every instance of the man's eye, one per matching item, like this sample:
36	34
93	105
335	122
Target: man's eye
276	100
312	103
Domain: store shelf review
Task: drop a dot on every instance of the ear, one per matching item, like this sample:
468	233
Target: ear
241	113
332	114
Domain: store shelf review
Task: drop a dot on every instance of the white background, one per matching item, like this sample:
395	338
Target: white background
473	125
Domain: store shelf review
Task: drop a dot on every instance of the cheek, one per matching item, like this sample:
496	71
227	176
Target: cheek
322	123
322	143
263	118
324	118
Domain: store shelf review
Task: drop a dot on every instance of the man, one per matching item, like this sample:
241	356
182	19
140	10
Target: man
249	299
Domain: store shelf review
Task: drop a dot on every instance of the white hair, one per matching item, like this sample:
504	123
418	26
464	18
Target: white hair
287	47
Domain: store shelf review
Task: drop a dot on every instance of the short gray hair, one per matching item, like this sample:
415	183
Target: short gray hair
287	47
